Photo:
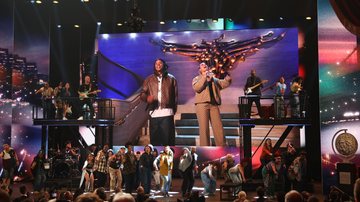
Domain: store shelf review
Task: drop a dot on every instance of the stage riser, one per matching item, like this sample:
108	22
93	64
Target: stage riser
187	131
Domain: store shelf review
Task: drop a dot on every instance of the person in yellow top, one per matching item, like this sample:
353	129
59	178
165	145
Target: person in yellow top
165	160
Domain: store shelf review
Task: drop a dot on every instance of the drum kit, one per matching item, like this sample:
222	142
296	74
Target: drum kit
61	165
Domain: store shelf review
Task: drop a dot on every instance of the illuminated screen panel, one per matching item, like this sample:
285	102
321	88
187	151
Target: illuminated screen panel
125	60
339	75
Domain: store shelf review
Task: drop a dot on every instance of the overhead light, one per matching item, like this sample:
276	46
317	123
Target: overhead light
55	2
281	18
214	20
308	18
202	20
58	26
98	23
174	21
32	1
76	26
119	24
162	22
38	2
261	19
85	0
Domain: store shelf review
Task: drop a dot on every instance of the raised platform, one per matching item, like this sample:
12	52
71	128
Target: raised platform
74	122
285	121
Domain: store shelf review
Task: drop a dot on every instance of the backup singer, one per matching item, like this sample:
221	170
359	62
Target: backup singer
279	101
207	100
160	92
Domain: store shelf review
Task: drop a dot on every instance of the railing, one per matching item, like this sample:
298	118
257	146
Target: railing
271	113
74	108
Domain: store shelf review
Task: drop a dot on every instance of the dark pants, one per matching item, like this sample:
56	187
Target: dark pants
39	181
88	111
146	175
162	131
258	106
188	181
129	180
101	179
47	108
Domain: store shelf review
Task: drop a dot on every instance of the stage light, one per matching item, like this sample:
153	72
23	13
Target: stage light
119	24
174	21
38	2
202	20
188	20
85	0
214	20
98	23
133	35
230	20
32	1
76	26
105	36
308	18
58	26
162	22
281	18
55	2
261	19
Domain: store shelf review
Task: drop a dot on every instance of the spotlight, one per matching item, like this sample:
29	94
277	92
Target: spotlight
76	26
58	26
119	24
261	19
162	22
202	20
174	21
281	18
55	2
214	20
98	23
32	1
38	2
308	18
85	0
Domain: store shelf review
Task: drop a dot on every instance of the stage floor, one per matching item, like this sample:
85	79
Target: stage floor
175	191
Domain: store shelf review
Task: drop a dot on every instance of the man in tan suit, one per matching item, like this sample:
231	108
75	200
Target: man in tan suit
207	100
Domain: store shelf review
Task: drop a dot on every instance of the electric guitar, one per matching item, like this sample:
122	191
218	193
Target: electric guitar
249	90
83	95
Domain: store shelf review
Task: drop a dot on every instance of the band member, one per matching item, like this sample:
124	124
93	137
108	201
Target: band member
10	162
87	92
160	92
58	89
129	169
279	101
146	168
115	162
186	166
38	170
253	90
100	166
88	173
207	100
208	177
295	88
46	98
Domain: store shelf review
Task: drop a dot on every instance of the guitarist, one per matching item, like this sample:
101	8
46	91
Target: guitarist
255	93
87	92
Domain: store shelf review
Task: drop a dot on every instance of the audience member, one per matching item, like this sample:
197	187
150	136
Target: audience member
123	197
293	196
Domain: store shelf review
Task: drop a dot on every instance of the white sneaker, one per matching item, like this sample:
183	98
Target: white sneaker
80	118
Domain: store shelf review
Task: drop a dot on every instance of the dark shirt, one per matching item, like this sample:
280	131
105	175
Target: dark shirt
129	163
146	160
252	81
